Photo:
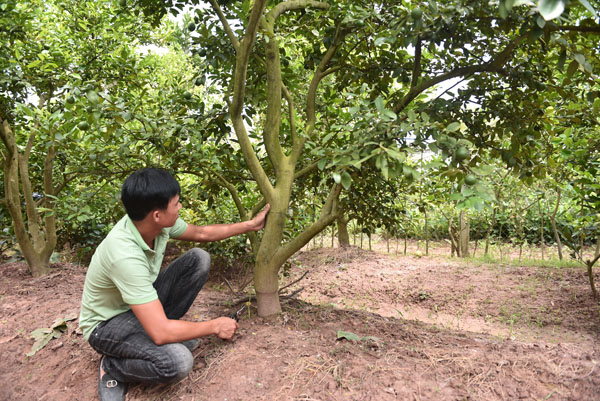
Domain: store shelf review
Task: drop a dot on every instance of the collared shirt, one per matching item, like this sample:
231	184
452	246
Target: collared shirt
122	273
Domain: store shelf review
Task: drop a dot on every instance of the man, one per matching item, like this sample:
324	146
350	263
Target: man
130	310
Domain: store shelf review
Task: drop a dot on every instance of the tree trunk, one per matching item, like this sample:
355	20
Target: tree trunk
343	237
489	232
453	240
542	244
426	232
272	254
553	221
590	272
332	236
37	237
464	234
266	284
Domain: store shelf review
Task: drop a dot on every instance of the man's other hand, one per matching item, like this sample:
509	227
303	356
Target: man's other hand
225	327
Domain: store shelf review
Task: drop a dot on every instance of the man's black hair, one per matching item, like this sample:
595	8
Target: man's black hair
148	189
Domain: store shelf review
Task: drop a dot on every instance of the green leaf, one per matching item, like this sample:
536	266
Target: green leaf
347	335
580	58
34	64
321	164
456	197
394	154
483	170
572	68
346	180
380	41
561	60
540	22
337	177
453	126
508	4
502	10
551	9
42	337
587	5
93	97
379	104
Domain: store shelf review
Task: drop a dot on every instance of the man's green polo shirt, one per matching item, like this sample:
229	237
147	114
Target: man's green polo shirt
122	273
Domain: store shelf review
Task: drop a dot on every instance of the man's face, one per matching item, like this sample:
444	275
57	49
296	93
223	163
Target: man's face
169	215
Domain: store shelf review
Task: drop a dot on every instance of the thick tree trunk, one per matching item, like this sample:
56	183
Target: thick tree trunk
266	284
37	237
553	221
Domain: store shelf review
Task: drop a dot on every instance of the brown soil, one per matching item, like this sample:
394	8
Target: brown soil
431	328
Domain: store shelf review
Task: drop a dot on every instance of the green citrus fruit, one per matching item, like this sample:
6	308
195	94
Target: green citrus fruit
191	27
187	95
416	14
70	100
461	153
470	179
83	126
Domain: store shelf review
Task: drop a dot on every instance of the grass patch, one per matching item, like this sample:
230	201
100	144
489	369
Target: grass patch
554	263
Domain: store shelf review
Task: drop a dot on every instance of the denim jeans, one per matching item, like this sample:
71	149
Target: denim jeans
130	354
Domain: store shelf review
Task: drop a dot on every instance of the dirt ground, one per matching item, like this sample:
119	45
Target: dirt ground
425	328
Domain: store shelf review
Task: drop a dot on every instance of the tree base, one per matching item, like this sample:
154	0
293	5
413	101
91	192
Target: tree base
268	303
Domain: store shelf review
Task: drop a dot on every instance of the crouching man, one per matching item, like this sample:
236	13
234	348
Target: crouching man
130	310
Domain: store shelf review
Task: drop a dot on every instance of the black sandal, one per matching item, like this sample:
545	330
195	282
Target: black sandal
110	389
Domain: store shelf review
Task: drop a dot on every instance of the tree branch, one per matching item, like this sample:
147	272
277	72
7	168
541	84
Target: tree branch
234	40
320	73
291	113
237	103
417	64
293	5
273	115
329	214
492	66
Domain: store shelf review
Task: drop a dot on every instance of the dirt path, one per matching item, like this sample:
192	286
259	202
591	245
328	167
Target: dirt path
432	329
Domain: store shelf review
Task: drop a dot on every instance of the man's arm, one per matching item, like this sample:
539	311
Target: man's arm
217	232
164	331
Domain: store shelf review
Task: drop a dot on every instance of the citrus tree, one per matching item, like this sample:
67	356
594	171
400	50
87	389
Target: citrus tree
300	78
81	107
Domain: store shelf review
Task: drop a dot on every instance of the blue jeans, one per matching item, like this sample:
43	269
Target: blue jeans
130	354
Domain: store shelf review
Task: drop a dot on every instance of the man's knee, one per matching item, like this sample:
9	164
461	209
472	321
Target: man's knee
203	260
178	364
